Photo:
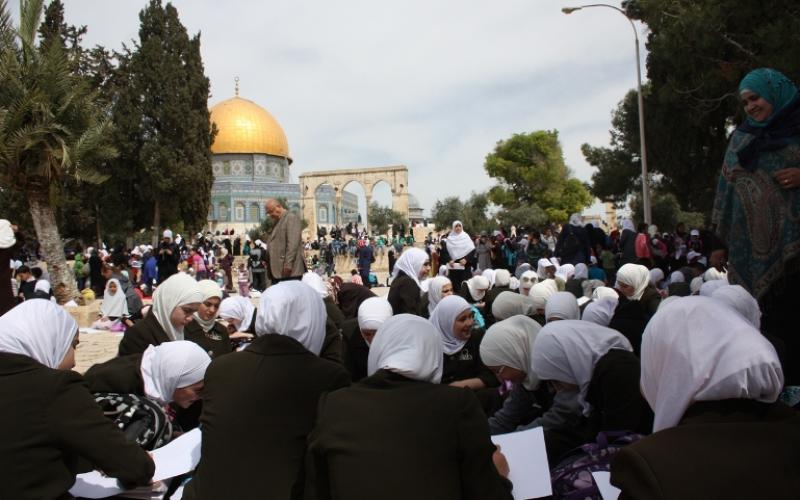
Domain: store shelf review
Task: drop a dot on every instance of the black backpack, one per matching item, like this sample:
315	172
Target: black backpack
141	420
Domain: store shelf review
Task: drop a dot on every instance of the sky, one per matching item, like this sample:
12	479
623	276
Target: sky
430	84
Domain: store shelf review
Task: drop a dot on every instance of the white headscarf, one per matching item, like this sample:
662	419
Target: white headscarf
628	224
7	239
508	343
541	292
410	262
566	272
656	276
489	274
527	280
741	301
171	366
477	286
601	310
712	274
177	290
541	268
581	272
576	220
562	305
513	283
435	292
167	234
509	304
693	349
459	245
408	345
677	277
43	286
373	312
444	317
709	287
502	277
695	284
636	276
38	329
293	309
209	289
239	308
316	283
116	305
567	351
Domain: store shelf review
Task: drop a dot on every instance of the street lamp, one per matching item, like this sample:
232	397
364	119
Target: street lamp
645	185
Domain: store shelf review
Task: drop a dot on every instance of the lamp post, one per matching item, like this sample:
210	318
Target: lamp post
645	184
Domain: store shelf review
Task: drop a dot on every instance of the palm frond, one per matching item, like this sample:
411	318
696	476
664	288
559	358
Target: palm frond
30	12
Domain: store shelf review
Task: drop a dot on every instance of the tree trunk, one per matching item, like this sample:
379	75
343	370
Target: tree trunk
156	223
44	222
97	226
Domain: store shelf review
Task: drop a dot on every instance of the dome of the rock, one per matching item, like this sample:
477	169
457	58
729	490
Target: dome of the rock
244	127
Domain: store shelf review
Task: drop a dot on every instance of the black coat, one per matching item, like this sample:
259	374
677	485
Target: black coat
142	334
350	298
393	438
355	350
51	429
404	295
122	375
630	319
721	449
617	405
467	363
258	407
215	342
627	247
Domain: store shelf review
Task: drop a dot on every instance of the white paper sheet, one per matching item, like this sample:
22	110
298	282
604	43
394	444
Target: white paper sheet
603	482
527	461
94	485
178	457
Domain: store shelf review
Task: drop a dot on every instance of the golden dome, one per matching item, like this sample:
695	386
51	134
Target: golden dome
246	127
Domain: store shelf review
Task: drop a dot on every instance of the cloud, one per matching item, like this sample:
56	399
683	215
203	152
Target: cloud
432	85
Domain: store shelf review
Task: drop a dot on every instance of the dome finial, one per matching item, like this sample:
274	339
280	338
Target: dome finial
236	79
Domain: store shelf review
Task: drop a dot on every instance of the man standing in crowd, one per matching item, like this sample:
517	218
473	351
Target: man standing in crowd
168	257
284	244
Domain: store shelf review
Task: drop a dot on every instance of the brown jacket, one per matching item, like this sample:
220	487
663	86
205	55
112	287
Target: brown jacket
285	247
51	429
736	448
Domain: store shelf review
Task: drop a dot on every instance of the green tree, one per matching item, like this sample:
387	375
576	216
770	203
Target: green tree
666	211
472	213
51	129
163	128
382	218
530	171
522	215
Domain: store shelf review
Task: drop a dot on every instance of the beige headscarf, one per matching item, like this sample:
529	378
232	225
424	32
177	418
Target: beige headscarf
177	290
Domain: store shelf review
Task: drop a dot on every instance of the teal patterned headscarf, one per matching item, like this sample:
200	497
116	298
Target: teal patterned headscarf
773	86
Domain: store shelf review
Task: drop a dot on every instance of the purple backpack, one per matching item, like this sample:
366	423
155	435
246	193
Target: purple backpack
572	477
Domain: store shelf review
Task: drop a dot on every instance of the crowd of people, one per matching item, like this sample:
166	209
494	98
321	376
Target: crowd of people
664	350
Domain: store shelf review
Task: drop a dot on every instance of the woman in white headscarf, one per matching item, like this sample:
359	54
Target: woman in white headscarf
439	288
357	334
453	319
576	277
205	330
545	269
402	410
48	404
740	300
708	288
506	350
114	304
240	313
174	303
561	306
509	304
42	290
638	301
526	282
405	293
600	311
713	381
277	381
599	364
627	242
540	293
458	251
474	290
170	372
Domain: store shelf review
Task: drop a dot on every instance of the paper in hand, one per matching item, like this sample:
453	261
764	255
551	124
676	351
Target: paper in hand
527	462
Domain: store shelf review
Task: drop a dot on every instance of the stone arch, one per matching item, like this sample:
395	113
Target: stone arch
395	176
